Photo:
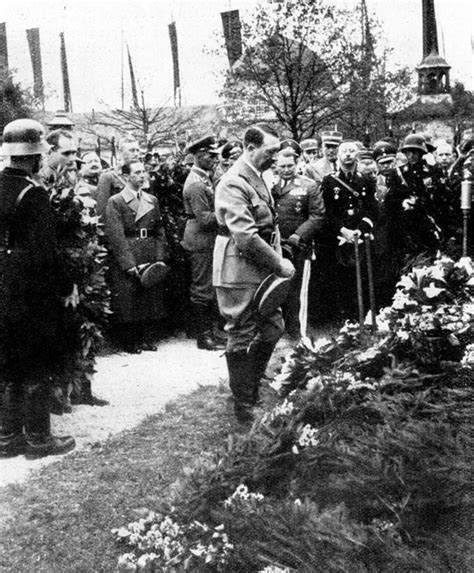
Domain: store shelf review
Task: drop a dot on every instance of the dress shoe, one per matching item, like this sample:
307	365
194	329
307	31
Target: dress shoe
206	341
48	446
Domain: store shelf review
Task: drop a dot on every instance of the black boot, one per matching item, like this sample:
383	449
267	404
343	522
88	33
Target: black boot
12	439
205	339
241	382
260	353
39	441
85	395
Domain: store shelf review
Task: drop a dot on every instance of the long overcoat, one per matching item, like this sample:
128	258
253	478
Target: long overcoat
32	278
135	236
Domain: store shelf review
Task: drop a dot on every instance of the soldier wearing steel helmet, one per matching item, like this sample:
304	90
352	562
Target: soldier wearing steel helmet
32	284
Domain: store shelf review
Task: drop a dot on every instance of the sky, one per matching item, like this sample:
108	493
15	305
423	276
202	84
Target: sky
93	33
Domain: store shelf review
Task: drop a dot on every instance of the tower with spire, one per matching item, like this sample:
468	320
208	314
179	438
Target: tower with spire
433	71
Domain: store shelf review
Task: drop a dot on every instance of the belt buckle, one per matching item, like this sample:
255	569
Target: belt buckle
143	233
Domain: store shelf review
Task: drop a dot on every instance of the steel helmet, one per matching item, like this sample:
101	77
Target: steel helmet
415	141
24	137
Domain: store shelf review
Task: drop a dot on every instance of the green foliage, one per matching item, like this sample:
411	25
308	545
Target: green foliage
15	102
84	259
368	459
312	64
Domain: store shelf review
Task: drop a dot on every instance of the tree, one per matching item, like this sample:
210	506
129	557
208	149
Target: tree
15	101
313	64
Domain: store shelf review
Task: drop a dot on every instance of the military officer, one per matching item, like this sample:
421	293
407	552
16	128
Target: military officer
199	238
351	212
247	250
330	141
385	153
136	238
300	209
32	283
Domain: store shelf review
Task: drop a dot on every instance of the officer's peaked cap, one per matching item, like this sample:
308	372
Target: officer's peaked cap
24	137
307	144
207	143
331	137
291	144
230	148
384	151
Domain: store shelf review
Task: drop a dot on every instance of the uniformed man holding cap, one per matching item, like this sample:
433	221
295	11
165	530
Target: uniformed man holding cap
199	238
247	250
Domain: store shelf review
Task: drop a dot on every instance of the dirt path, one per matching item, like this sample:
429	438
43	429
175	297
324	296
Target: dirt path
136	385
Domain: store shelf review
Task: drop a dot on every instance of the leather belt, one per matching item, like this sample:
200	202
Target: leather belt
142	233
267	234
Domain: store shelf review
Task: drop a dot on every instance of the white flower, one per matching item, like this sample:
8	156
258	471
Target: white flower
437	272
308	436
406	282
295	450
402	335
432	291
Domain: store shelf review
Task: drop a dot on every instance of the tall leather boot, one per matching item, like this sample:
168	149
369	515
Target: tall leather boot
260	352
204	338
39	440
241	379
12	439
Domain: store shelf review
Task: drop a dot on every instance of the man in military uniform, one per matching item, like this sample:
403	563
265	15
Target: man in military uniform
410	204
247	250
32	283
351	212
327	164
385	153
199	238
112	181
300	209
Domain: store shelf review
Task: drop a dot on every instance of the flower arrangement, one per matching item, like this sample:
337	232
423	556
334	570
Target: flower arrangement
157	543
79	236
427	329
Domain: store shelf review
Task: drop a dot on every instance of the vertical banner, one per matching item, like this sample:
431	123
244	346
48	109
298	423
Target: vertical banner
174	54
133	82
3	53
65	75
232	35
33	37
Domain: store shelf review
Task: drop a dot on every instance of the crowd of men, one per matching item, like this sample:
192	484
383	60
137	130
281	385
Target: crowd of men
191	240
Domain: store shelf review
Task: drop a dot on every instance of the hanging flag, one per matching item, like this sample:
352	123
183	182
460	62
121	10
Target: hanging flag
232	35
3	53
133	83
174	54
65	75
33	37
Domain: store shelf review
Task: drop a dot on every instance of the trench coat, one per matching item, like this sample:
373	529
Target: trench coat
135	235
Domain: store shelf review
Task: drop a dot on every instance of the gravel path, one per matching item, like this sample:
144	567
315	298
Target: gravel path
136	385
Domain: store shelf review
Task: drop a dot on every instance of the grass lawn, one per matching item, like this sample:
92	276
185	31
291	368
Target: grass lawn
60	520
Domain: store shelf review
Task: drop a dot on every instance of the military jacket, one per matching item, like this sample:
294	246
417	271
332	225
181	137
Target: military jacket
356	209
247	247
414	198
300	207
32	277
201	225
110	183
